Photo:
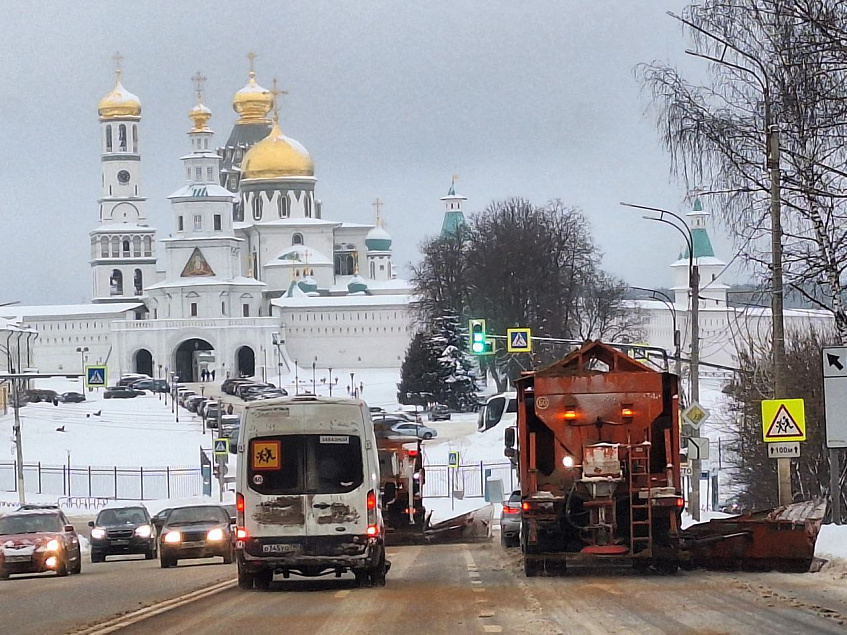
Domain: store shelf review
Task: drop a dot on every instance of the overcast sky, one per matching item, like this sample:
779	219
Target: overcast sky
390	98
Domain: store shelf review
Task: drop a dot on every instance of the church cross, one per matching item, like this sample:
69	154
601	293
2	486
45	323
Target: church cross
199	81
117	58
251	56
276	92
377	205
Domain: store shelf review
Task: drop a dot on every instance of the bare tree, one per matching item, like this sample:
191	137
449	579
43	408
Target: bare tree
776	62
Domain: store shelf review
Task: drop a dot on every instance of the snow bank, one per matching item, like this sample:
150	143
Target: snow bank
832	542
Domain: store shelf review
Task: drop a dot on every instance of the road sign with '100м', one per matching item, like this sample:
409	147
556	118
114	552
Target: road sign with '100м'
695	415
519	340
784	450
783	420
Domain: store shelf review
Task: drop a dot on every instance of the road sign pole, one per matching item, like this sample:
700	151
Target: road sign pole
694	496
835	485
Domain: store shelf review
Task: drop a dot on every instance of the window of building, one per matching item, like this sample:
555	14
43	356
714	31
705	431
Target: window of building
307	206
116	283
282	205
198	222
125	250
373	269
217	220
297	239
257	207
104	247
136	246
148	246
210	173
179	225
245	310
223	308
135	139
138	282
108	138
188	173
198	174
193	309
122	138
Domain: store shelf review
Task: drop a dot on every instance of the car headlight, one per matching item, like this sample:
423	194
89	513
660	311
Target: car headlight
53	545
98	533
173	537
215	534
144	531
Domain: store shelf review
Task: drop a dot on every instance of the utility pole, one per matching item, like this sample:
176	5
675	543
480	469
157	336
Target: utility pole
19	448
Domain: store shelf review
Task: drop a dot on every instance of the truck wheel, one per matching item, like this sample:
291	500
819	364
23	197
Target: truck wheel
245	579
530	566
377	574
97	557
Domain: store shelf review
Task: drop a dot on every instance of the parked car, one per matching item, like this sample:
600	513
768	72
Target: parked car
198	531
414	430
121	392
192	402
510	521
439	412
230	426
405	416
153	385
129	379
72	397
184	395
36	395
229	385
38	540
122	530
265	393
211	413
242	389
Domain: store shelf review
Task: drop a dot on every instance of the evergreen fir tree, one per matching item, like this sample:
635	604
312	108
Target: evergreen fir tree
419	374
456	375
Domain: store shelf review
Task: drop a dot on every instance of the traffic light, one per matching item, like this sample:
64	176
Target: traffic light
479	344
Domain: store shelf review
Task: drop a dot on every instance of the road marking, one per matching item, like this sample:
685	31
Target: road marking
491	628
478	589
343	594
117	623
486	613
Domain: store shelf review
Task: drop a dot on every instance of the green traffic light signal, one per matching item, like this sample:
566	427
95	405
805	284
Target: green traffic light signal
477	343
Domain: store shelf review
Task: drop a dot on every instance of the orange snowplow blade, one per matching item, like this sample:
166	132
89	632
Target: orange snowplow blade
781	539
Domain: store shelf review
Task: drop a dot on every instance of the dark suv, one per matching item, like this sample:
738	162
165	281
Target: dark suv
37	539
121	531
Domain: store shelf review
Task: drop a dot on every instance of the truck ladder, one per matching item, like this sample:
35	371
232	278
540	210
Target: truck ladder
640	510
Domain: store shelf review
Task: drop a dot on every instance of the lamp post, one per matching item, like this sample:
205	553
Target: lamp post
352	384
771	147
296	377
277	342
330	381
82	350
694	288
668	302
314	366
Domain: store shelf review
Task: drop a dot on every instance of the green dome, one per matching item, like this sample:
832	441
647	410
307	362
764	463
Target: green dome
357	284
378	239
308	285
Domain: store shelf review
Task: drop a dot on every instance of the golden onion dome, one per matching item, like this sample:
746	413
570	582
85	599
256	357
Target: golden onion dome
119	102
252	103
277	156
200	115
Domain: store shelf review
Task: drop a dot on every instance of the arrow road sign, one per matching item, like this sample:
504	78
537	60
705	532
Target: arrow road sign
519	340
834	360
835	395
698	449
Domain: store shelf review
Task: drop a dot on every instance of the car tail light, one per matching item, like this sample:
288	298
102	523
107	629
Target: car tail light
239	508
525	506
680	502
371	510
373	530
241	533
508	509
413	453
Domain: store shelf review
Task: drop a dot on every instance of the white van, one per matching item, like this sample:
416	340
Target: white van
499	408
307	496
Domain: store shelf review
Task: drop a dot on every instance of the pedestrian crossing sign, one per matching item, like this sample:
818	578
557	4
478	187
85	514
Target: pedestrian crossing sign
519	340
783	420
96	376
221	446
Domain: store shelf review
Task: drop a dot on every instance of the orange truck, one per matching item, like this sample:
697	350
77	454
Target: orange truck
597	447
401	482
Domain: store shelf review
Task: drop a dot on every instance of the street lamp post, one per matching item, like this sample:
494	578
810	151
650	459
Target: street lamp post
694	288
296	377
82	350
668	302
352	384
314	366
330	381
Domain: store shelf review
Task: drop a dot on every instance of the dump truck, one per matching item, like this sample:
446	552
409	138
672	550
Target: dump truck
597	447
401	475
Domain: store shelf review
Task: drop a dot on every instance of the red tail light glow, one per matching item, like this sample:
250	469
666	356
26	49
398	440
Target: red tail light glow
239	502
413	453
570	413
508	509
525	506
627	412
680	502
241	533
371	500
372	530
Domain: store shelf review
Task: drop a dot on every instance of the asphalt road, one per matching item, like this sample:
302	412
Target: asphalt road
435	589
481	589
44	604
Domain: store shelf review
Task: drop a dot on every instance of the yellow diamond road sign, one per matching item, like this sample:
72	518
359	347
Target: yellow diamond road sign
519	340
783	420
695	415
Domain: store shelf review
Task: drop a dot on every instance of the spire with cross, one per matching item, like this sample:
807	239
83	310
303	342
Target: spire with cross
252	57
199	83
377	206
276	92
117	58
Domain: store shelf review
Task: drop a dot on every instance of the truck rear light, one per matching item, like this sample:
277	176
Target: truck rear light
525	506
241	533
371	500
680	502
570	413
413	453
372	530
627	412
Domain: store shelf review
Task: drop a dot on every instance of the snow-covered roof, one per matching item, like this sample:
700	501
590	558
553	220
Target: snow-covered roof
287	222
331	302
298	255
393	284
203	190
68	310
112	228
700	261
202	238
346	225
206	281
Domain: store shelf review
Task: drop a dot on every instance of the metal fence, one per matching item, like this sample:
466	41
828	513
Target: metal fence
467	481
120	483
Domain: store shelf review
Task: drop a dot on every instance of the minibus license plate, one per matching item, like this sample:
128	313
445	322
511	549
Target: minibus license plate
279	548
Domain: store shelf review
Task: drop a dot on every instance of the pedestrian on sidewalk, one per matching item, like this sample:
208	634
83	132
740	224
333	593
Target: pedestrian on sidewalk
213	374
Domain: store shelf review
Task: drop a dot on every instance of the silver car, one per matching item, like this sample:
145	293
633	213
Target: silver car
414	430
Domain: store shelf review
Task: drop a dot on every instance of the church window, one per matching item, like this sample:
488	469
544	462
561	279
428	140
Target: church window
282	205
104	247
155	314
307	206
345	262
108	138
125	249
179	225
198	222
198	174
257	207
373	270
122	138
217	219
223	308
136	246
297	239
148	246
210	173
138	282
116	283
188	173
205	144
135	139
193	309
245	310
116	247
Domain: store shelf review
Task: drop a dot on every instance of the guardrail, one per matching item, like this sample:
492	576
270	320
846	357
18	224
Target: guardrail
467	480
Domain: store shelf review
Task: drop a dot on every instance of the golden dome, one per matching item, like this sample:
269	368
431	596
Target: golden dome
252	102
277	156
200	115
119	102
